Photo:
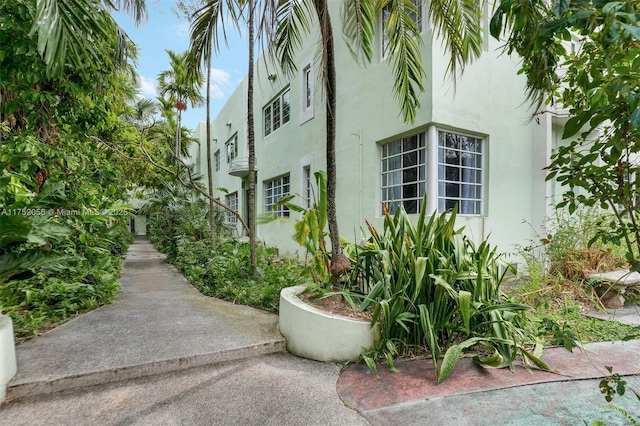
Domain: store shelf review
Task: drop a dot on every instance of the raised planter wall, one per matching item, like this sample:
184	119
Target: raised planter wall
8	364
315	334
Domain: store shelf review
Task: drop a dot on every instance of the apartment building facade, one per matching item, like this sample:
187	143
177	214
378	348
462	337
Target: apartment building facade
473	143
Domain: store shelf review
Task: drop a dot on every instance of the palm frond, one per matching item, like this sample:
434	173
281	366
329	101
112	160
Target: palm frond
404	50
459	24
359	20
207	22
293	23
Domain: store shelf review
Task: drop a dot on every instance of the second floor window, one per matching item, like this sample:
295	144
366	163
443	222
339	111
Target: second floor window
277	112
232	148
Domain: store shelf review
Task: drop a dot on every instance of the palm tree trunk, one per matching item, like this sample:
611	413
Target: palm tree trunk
178	128
253	242
339	263
212	221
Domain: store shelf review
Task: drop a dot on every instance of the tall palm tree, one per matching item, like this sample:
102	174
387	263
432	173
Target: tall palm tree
456	21
203	42
182	86
204	39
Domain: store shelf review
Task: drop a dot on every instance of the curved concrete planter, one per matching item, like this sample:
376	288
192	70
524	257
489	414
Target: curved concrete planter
315	334
8	365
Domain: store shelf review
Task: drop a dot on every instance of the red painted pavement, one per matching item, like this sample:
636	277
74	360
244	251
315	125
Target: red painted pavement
363	390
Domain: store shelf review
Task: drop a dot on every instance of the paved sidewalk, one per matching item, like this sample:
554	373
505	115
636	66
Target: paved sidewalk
163	354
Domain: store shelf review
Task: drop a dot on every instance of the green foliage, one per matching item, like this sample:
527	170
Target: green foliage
598	87
613	385
63	213
310	230
432	288
560	334
179	228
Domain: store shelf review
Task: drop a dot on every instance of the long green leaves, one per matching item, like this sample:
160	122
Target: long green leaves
432	289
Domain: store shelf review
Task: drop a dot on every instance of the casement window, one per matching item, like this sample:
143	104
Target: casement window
306	186
275	189
307	94
231	147
307	90
231	200
415	11
216	160
459	173
459	166
403	173
277	112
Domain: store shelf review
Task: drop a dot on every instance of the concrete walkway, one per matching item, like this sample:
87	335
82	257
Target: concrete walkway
163	354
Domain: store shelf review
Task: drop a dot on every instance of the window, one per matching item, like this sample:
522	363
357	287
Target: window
459	173
403	173
306	186
232	148
216	160
306	76
414	10
277	112
231	200
274	190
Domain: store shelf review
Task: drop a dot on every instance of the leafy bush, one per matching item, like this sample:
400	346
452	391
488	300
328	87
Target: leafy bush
432	288
180	230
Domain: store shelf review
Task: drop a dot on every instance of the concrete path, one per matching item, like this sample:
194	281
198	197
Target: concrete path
163	354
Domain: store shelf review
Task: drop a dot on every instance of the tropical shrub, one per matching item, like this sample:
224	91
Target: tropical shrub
179	228
432	289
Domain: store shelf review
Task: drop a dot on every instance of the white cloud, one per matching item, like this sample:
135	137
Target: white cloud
182	30
147	87
220	82
220	77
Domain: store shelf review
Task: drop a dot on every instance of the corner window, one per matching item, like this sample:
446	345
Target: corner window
277	112
231	200
275	189
459	173
456	167
403	173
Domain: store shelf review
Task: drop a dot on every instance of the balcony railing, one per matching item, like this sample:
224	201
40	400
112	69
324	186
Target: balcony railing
239	167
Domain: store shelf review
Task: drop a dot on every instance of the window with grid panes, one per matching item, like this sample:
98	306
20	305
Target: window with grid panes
459	173
275	189
231	200
403	173
277	112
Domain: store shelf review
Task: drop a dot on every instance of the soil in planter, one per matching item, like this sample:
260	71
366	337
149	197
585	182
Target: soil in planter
336	305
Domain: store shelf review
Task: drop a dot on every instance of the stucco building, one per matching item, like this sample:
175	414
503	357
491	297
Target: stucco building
473	143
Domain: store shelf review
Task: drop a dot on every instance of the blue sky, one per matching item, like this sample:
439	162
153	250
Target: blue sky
164	30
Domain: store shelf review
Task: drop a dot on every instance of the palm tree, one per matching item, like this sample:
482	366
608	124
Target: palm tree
204	39
457	21
182	85
203	42
64	38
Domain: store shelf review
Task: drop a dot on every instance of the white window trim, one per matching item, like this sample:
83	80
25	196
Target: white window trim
431	165
232	202
305	112
281	211
232	153
482	170
270	105
216	161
